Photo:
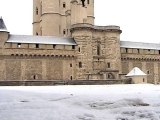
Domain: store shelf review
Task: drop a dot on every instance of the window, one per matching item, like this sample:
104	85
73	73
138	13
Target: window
108	65
36	33
64	32
70	65
126	50
138	50
18	45
87	1
73	47
34	77
80	64
79	49
98	49
83	3
36	10
37	45
64	5
54	46
148	72
159	51
71	78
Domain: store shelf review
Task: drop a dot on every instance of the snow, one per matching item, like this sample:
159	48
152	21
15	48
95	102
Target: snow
136	72
99	102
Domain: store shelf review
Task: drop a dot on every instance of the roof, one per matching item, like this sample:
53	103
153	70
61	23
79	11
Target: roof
40	40
135	72
2	25
139	45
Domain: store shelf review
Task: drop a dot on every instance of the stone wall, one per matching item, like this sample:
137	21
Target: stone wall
147	60
37	68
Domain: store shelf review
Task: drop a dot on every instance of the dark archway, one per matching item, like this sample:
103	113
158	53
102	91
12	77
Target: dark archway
110	76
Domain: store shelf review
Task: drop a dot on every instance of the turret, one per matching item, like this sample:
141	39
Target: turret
3	32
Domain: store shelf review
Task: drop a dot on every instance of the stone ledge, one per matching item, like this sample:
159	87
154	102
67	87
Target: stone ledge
61	82
100	28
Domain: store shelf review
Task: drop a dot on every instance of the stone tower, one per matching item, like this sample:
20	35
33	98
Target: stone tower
55	17
4	34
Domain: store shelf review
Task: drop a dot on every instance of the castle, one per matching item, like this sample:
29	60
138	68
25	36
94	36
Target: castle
66	45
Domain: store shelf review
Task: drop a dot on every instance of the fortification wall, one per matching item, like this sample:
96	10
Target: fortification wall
147	60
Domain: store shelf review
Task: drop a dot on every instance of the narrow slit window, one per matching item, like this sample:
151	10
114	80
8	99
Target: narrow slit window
87	1
64	32
108	65
98	49
80	64
64	5
126	50
36	10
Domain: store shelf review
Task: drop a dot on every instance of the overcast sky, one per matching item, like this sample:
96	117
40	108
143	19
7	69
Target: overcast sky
138	19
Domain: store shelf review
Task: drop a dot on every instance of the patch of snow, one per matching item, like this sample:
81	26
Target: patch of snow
99	102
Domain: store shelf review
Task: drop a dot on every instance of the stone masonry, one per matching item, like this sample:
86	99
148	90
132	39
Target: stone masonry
66	45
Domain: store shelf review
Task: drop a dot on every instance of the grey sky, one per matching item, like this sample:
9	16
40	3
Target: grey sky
138	19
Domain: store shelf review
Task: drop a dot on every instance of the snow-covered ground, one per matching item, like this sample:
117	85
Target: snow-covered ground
104	102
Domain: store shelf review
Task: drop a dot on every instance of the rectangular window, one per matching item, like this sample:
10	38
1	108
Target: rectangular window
87	1
73	47
64	32
36	11
108	65
80	64
70	65
64	5
126	50
18	45
37	45
54	46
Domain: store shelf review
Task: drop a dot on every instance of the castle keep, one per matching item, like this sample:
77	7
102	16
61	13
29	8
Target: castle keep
66	45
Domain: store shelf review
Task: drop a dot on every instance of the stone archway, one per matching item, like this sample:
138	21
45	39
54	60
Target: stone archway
110	76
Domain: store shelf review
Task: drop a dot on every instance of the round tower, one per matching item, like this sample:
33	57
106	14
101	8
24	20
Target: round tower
36	17
4	34
90	11
50	18
55	17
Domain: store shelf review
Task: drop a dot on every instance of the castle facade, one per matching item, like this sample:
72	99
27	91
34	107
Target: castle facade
66	45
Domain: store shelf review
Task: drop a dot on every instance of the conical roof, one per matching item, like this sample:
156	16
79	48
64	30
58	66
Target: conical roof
136	72
2	25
